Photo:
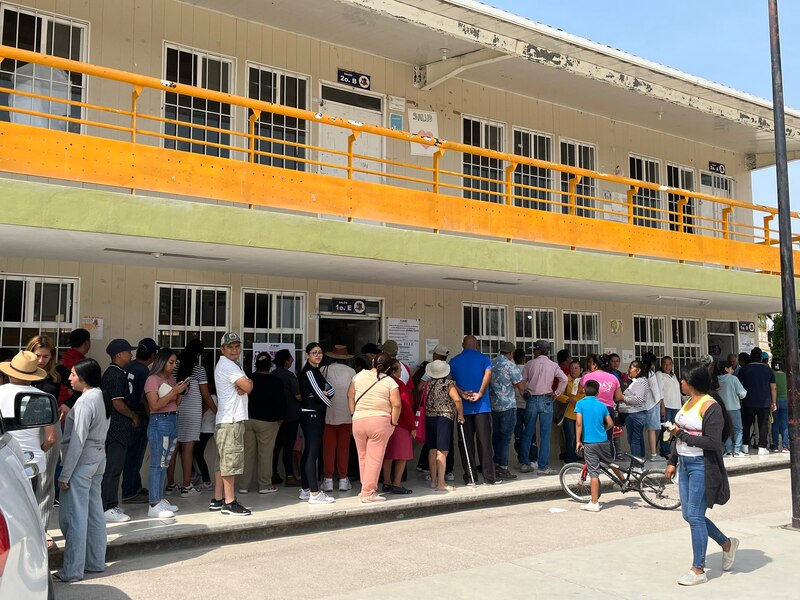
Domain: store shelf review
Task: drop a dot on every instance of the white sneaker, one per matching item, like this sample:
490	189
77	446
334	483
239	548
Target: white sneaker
449	477
244	490
763	452
745	449
159	512
692	578
591	507
304	495
270	489
327	484
116	515
729	556
345	485
170	507
320	498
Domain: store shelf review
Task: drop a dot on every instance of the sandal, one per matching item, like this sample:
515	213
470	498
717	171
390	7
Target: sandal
401	489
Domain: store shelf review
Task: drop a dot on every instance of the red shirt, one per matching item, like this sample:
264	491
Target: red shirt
71	356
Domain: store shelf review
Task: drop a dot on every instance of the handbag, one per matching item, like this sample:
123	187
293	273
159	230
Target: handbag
559	412
419	417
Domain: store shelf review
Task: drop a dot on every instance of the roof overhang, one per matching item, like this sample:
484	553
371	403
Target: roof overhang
495	48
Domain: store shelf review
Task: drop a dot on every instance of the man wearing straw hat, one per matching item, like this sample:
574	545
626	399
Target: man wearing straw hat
338	422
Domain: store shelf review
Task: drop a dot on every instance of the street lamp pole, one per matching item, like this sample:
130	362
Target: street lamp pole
791	351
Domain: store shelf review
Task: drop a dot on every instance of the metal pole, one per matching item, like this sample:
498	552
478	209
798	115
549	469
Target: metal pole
792	354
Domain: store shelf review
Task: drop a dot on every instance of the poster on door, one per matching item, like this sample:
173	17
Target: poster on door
406	333
424	123
271	348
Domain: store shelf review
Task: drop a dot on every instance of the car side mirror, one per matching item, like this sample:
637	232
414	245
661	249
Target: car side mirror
32	409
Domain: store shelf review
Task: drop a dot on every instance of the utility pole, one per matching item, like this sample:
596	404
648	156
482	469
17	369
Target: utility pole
791	352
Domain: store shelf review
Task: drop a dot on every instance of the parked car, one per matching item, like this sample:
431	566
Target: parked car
24	570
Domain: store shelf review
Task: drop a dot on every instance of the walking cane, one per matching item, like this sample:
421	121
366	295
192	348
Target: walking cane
466	453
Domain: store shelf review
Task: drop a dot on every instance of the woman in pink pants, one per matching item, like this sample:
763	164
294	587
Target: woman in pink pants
374	400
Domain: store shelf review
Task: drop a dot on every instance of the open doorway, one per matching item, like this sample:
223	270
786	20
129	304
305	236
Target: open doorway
350	321
722	339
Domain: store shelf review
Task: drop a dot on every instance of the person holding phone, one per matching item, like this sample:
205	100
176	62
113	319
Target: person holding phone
163	395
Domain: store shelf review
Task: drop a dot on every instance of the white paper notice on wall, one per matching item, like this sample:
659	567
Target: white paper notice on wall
430	344
426	124
406	333
271	348
627	357
94	325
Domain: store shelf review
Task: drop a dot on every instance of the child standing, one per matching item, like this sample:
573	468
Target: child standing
592	422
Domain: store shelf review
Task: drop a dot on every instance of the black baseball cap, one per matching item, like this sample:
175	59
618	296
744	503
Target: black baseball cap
118	345
148	345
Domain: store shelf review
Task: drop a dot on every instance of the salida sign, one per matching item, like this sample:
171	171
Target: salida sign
423	123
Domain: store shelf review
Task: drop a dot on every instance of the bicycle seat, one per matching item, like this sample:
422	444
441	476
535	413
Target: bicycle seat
639	462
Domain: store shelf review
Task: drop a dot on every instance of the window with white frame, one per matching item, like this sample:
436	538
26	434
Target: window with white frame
32	305
272	316
487	322
188	311
38	31
282	133
647	202
583	156
581	333
531	324
533	185
483	176
685	342
207	122
649	335
683	178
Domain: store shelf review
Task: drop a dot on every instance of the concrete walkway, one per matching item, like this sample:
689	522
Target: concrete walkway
283	514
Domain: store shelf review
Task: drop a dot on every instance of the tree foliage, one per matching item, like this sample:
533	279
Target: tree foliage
777	342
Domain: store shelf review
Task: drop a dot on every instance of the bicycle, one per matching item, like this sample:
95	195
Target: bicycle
651	483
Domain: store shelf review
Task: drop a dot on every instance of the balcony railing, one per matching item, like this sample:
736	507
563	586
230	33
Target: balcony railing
128	142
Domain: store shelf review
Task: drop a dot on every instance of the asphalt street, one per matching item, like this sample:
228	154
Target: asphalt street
544	549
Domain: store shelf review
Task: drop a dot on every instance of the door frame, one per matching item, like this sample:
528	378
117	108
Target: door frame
381	318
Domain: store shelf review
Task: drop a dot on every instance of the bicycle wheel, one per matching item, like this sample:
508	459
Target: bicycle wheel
657	491
574	483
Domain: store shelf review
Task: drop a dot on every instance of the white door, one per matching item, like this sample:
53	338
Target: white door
335	138
711	212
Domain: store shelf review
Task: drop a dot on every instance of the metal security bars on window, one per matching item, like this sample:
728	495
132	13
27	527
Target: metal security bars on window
487	322
581	334
531	324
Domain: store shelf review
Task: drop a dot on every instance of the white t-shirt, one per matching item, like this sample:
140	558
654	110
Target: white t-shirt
29	440
209	418
231	406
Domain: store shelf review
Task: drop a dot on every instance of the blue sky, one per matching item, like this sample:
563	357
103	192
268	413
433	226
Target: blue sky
724	41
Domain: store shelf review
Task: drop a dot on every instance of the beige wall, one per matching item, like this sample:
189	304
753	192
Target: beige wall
124	297
130	36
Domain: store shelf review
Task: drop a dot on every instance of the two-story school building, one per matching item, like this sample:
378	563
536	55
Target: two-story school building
346	171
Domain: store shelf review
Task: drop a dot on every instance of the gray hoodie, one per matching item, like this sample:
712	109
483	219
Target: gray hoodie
84	441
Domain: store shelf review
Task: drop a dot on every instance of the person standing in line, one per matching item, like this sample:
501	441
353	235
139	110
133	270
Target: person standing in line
506	377
400	447
442	406
83	460
203	477
138	371
671	390
732	392
610	392
316	394
700	428
374	401
655	407
116	391
519	428
266	407
780	425
287	434
733	361
80	341
539	374
233	386
613	367
391	348
196	399
338	422
633	406
570	397
44	349
472	372
742	360
440	352
163	398
762	395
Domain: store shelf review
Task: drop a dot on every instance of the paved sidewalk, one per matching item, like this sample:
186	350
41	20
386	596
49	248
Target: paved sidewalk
281	513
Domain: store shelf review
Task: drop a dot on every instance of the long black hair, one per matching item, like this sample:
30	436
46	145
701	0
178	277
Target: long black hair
89	372
698	376
188	358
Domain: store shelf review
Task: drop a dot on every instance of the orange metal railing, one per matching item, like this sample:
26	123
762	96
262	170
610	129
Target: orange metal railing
503	195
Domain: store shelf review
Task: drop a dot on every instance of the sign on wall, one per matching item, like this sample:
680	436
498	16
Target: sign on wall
271	348
406	333
716	167
347	306
351	78
424	123
747	336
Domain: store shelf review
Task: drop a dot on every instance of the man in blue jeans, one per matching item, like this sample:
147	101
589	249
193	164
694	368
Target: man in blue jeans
538	375
505	377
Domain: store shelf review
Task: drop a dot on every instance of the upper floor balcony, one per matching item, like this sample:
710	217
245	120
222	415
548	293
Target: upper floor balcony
142	134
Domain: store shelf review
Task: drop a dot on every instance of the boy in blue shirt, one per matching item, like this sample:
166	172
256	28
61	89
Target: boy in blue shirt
592	422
